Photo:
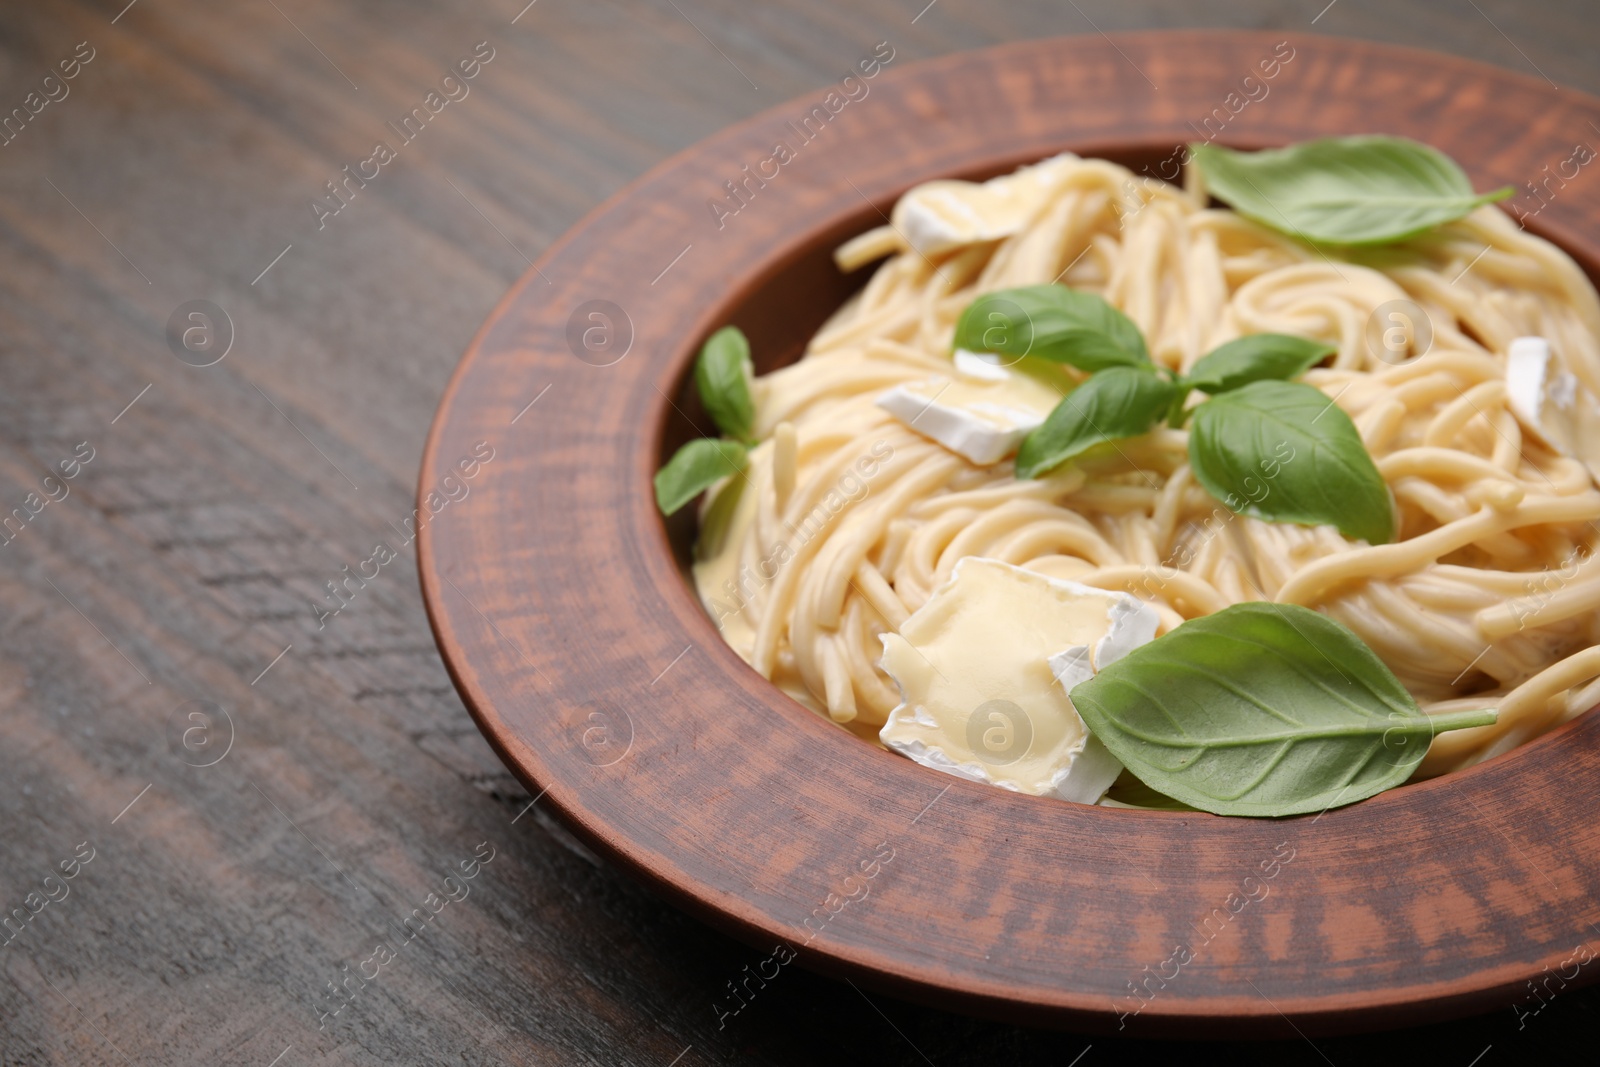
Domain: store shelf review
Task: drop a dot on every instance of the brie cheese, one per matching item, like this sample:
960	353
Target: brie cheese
1551	403
982	366
939	216
982	413
977	667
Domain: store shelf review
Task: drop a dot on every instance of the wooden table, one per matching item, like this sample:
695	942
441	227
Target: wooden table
219	797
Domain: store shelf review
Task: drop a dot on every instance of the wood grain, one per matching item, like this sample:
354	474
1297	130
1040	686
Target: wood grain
197	540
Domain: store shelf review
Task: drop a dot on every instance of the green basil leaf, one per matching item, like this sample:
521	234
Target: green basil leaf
1343	190
1116	403
1255	358
1283	452
694	468
1055	323
722	374
1261	709
1128	792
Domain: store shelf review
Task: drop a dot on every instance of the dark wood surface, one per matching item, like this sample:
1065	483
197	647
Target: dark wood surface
187	555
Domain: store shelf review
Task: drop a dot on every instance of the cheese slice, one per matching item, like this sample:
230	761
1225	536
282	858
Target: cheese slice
939	216
979	692
1551	403
982	412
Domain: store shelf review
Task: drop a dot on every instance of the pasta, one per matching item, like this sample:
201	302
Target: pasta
845	520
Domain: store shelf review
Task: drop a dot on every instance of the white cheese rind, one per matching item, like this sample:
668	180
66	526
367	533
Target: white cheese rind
1133	623
1550	402
983	433
1527	366
940	216
982	413
990	638
984	366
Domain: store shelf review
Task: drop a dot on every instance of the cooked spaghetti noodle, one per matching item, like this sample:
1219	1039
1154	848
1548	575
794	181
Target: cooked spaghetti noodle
845	520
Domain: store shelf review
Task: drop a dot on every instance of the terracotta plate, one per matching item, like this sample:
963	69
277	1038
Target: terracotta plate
559	599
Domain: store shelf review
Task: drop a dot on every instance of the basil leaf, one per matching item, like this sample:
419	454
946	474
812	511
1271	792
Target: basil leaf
1261	709
694	468
722	374
1116	403
1128	791
1254	358
1281	451
1343	190
1054	323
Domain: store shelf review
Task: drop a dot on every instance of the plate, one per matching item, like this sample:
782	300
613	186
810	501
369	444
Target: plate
559	600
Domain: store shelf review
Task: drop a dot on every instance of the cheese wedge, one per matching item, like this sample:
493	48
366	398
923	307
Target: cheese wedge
1550	402
982	412
940	216
978	689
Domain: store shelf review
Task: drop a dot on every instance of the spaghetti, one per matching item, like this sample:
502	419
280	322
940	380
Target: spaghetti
845	520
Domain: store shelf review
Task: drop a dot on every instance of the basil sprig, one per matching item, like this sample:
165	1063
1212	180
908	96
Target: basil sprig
1282	451
1054	323
1261	709
1343	190
722	377
1263	446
